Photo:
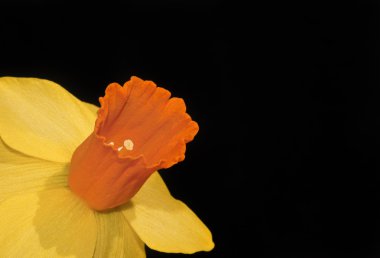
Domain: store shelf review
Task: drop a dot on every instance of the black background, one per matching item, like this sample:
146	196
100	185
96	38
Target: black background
316	193
183	47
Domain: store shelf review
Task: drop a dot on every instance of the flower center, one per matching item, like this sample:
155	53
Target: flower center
139	130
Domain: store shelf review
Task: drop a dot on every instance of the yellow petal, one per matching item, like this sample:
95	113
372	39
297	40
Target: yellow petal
23	174
116	238
52	223
41	119
164	223
93	108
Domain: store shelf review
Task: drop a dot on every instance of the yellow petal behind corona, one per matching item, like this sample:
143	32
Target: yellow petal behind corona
20	174
52	223
164	223
116	238
41	119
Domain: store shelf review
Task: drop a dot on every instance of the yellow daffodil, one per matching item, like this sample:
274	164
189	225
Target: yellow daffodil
81	181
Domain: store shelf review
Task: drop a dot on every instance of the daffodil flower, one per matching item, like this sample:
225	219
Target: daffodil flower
81	181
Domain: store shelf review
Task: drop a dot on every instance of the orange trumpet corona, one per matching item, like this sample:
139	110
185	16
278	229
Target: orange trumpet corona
139	130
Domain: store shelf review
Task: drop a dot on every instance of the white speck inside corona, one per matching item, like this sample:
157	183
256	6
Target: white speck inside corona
119	149
128	144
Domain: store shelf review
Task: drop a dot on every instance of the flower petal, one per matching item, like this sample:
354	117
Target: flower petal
164	223
116	238
52	223
41	119
93	108
23	174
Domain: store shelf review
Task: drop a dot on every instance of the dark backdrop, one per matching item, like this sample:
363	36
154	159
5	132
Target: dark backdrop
317	191
181	46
